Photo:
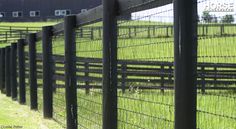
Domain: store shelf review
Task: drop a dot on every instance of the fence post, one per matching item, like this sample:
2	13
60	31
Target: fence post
167	31
129	28
70	72
162	78
86	66
7	71
33	72
47	71
1	76
92	33
215	76
221	29
100	32
109	64
154	31
203	30
6	36
185	46
2	70
170	73
203	79
21	67
81	32
149	33
123	77
13	71
10	29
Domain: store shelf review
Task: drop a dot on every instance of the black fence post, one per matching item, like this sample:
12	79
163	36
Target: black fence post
154	31
109	64
130	32
21	67
47	71
33	72
148	32
13	71
123	77
70	72
185	46
92	33
100	32
221	29
7	71
203	79
86	66
215	76
167	31
162	78
203	30
2	70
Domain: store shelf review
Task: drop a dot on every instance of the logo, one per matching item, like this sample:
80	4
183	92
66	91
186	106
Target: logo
219	6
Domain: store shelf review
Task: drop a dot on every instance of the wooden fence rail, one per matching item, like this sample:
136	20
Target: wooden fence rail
141	74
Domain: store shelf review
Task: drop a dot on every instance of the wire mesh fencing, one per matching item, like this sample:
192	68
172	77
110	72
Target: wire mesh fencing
145	70
27	86
89	76
59	110
216	68
39	75
149	54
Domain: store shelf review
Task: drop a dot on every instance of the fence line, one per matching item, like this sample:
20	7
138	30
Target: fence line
54	67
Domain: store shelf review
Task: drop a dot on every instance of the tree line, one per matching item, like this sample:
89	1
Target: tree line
208	18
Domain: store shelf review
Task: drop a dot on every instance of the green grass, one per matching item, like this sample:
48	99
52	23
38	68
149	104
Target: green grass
13	114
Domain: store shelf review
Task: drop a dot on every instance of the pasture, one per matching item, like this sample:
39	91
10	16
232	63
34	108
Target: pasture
142	108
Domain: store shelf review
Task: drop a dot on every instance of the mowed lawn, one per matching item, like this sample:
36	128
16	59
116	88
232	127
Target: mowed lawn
16	116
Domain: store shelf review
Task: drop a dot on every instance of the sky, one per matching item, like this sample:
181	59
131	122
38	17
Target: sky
165	13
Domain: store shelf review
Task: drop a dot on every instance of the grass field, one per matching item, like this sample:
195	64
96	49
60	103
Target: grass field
150	109
13	115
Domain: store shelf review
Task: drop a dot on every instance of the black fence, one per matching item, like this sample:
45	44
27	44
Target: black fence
99	70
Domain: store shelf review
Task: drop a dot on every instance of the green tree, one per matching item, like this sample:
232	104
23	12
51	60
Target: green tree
214	19
227	19
207	17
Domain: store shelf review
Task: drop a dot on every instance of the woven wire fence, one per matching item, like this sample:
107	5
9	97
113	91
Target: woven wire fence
27	86
216	71
89	76
145	72
145	54
59	111
39	72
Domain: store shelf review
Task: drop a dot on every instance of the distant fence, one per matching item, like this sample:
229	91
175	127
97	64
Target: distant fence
11	33
150	74
124	74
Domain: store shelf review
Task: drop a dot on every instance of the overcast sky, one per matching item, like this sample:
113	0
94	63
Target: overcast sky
165	13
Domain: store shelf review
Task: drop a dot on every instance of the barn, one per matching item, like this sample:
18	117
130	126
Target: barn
32	10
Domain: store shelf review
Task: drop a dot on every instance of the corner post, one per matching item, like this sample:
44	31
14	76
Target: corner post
33	72
47	72
21	67
70	72
185	46
13	71
7	71
109	88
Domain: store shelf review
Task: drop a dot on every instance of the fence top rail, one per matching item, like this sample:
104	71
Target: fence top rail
138	62
95	14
